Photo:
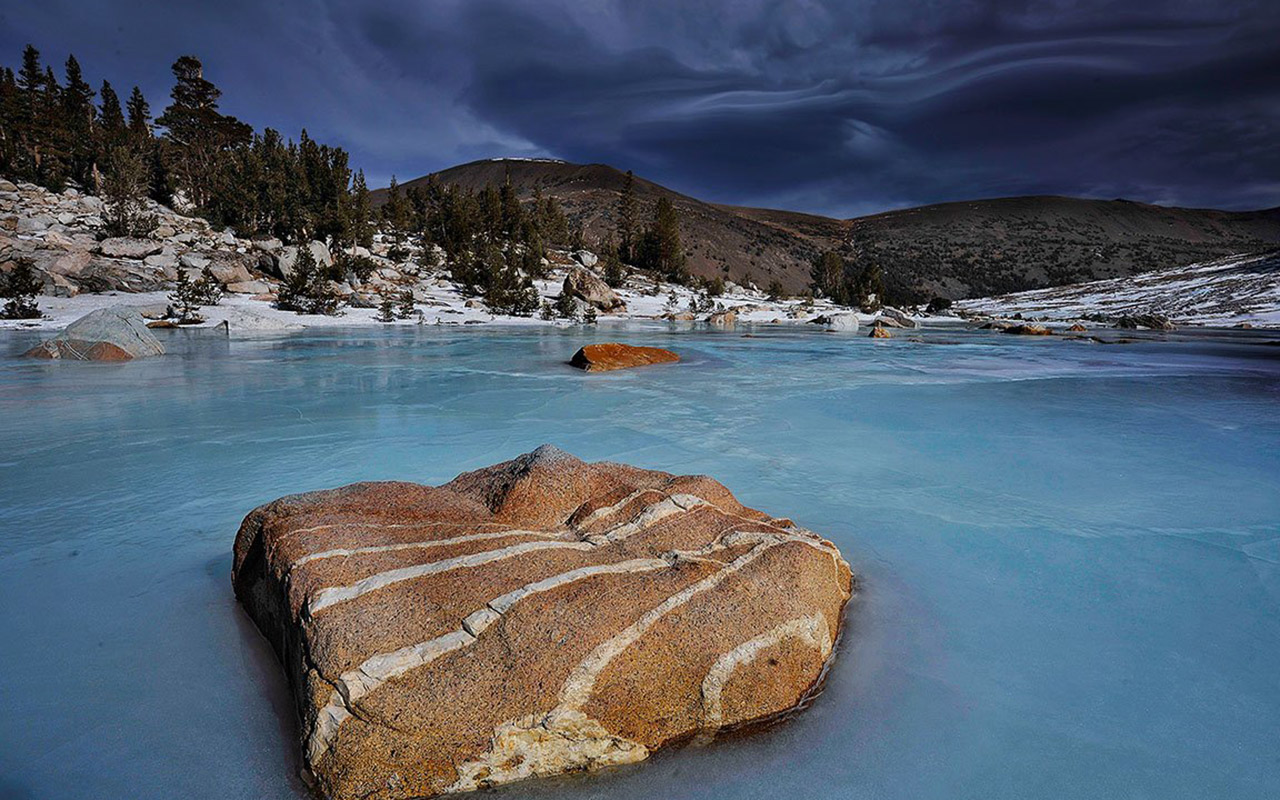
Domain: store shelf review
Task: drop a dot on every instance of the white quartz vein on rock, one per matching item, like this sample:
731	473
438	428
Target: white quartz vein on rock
423	545
812	630
380	668
328	596
339	594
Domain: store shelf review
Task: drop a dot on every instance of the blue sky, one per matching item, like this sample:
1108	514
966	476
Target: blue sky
841	108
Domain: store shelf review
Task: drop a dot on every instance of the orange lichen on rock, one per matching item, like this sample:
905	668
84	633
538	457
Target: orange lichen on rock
615	355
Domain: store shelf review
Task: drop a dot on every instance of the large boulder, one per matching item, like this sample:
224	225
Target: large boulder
537	617
228	268
249	287
120	275
289	256
723	319
108	334
897	318
587	286
129	247
615	355
846	322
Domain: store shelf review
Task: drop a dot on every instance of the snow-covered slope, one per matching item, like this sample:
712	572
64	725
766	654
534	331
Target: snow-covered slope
1228	291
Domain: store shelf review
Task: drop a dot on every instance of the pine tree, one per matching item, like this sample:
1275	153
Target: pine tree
511	214
613	271
197	135
406	309
386	310
10	115
79	118
27	119
19	287
627	221
208	288
554	225
867	291
509	291
124	192
185	299
361	216
660	249
110	115
827	275
566	306
139	116
307	290
395	218
112	132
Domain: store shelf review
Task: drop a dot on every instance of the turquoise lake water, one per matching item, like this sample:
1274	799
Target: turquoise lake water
1070	552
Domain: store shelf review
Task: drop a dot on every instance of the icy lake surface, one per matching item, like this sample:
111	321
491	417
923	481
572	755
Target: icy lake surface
1070	552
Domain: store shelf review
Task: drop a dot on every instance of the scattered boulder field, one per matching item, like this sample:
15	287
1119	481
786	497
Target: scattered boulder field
541	616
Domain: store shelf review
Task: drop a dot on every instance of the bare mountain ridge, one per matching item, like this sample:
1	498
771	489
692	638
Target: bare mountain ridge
719	240
962	249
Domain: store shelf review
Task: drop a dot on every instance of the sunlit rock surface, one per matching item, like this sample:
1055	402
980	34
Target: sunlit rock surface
540	616
615	355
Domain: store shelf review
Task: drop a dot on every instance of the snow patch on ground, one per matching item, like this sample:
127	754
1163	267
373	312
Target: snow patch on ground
1226	292
441	303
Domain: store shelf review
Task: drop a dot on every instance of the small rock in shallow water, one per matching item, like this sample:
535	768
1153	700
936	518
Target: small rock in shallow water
1027	330
615	355
540	616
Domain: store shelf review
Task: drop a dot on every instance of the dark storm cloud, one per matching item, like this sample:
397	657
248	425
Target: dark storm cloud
838	107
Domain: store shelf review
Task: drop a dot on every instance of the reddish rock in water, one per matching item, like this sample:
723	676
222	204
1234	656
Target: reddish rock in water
614	355
1028	330
540	616
1077	328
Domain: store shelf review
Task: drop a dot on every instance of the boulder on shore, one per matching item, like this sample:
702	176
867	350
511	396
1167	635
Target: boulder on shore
615	355
586	285
898	318
1027	330
846	322
541	616
108	334
723	319
289	256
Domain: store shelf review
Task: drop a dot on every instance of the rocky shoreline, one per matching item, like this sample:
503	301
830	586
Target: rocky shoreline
81	269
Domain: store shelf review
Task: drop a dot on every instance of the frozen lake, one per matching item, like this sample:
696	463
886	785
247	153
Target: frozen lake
1070	552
